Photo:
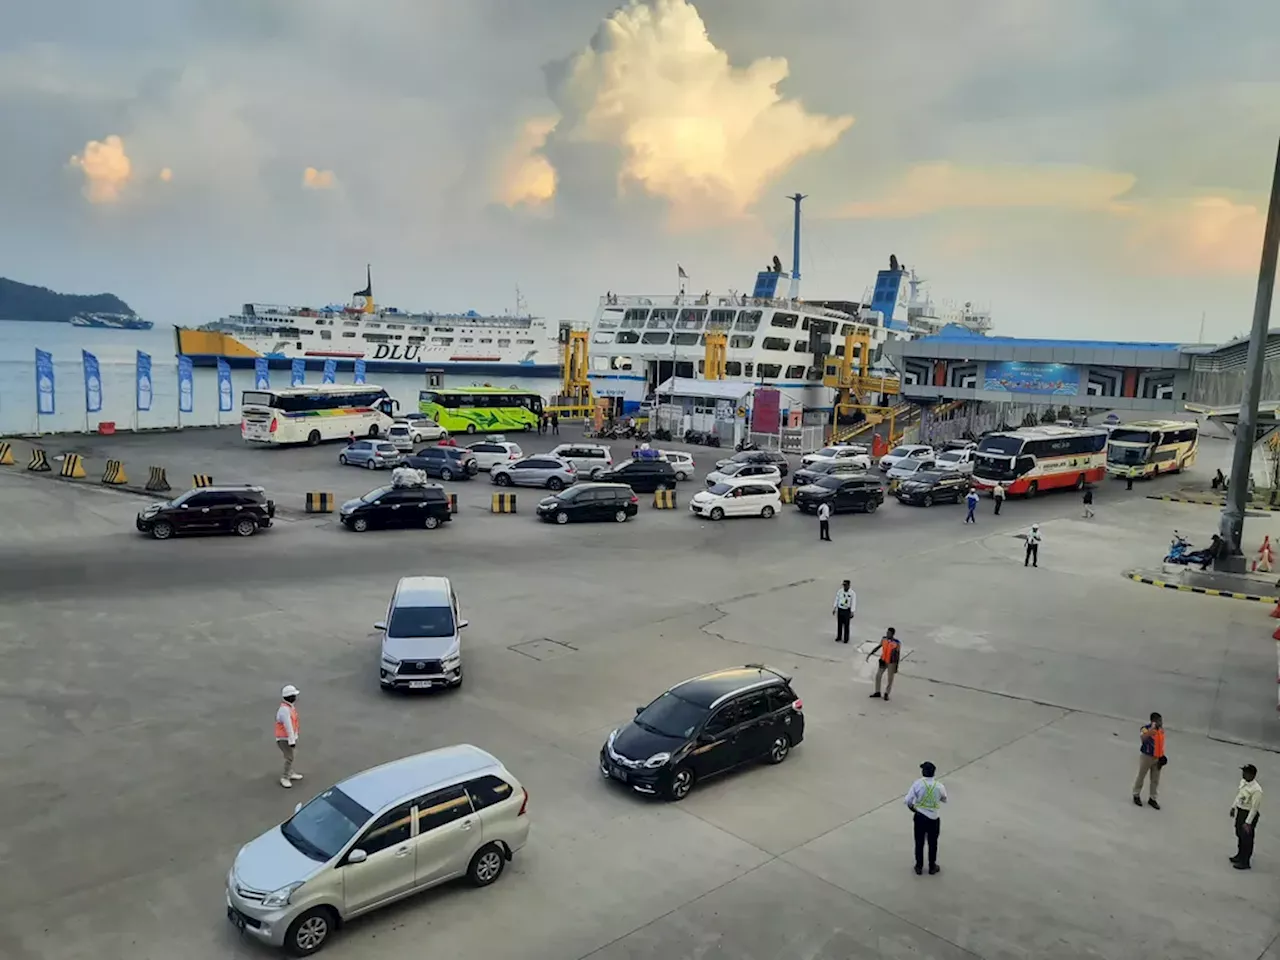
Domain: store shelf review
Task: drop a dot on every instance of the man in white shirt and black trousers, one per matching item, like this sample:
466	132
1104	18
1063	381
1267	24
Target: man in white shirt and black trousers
846	603
824	522
922	800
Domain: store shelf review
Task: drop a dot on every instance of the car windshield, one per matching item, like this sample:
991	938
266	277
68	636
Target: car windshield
950	455
720	489
325	825
421	622
373	495
670	716
829	483
828	452
909	466
900	452
929	477
732	468
400	428
386	448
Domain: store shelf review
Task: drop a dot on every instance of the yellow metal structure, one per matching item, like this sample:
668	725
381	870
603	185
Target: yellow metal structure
575	386
713	365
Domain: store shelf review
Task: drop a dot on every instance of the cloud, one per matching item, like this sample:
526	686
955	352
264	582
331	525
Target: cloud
313	179
106	167
166	175
1210	235
527	176
929	188
687	125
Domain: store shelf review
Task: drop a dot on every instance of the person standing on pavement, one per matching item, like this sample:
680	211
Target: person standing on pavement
997	494
923	800
971	501
1088	503
287	733
1151	761
890	650
824	521
843	609
1245	811
1033	547
555	423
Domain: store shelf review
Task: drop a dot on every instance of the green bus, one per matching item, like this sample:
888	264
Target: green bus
481	409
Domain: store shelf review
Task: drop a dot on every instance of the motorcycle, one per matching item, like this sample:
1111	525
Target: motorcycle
742	445
1179	549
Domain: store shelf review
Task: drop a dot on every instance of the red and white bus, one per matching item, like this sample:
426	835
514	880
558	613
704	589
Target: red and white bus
1033	459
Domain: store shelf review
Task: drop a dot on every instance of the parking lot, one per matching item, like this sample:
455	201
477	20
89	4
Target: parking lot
142	678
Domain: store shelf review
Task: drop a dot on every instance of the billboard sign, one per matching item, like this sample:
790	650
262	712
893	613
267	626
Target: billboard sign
1051	379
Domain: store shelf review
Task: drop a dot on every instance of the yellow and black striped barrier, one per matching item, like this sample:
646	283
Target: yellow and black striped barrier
201	480
503	503
788	494
39	463
1210	502
318	502
72	467
157	481
664	499
453	503
6	453
114	473
1207	591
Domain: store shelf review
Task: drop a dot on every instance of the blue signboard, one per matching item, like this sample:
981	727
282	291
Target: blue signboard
261	374
186	386
359	375
92	382
1057	379
224	386
44	382
144	381
298	371
330	370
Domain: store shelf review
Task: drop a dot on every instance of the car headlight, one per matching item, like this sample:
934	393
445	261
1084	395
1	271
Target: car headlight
452	660
280	898
657	760
390	661
613	736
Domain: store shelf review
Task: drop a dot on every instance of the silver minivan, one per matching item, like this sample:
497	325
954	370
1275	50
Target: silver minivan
375	838
421	636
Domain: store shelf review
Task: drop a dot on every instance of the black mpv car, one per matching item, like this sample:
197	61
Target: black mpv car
426	506
590	501
642	476
928	488
443	462
240	510
703	727
842	493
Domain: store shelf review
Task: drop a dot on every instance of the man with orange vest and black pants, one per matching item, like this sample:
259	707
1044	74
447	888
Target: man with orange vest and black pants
1151	760
889	649
287	733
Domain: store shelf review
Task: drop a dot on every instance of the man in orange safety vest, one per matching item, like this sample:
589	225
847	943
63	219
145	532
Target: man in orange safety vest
287	730
889	649
1151	761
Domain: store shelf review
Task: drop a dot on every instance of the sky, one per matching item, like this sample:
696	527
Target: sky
1082	168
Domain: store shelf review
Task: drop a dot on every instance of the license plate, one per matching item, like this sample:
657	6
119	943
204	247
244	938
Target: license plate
237	921
419	684
617	772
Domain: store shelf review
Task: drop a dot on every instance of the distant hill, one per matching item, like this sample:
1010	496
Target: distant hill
20	301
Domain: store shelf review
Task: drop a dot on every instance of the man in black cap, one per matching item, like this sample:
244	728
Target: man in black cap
922	800
1245	810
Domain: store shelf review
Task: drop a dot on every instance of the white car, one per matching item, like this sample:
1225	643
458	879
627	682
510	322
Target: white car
848	452
959	460
741	471
424	429
589	459
490	453
681	462
908	451
744	497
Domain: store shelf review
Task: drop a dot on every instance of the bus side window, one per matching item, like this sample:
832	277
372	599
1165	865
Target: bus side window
1025	465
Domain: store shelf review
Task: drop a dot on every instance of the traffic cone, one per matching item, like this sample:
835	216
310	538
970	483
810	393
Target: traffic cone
1276	636
1276	613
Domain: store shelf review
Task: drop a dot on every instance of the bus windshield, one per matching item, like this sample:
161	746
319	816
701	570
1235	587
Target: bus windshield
259	399
1004	446
1132	436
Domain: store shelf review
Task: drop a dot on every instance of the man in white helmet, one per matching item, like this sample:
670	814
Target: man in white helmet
287	733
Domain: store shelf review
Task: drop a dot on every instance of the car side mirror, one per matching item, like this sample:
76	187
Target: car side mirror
380	625
639	710
462	624
357	856
297	806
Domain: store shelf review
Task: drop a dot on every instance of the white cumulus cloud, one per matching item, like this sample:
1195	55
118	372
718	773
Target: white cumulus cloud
106	168
527	176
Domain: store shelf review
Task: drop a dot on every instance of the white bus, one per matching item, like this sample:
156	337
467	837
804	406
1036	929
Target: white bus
1145	448
1034	459
311	414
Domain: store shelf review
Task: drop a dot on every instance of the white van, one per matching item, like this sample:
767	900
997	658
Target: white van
737	497
421	636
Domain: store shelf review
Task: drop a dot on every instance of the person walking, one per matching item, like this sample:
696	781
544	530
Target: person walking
1033	547
1088	503
1151	761
1245	811
824	521
890	649
555	423
287	733
997	494
923	800
971	501
846	603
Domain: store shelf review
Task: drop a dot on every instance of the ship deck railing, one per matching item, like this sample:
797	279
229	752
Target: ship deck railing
730	301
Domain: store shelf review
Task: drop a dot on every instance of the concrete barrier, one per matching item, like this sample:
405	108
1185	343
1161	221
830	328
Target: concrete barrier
201	480
788	494
503	503
664	499
114	473
72	467
318	502
39	463
6	453
157	481
453	503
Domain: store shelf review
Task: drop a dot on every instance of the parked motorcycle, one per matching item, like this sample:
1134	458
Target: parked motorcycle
742	445
1179	549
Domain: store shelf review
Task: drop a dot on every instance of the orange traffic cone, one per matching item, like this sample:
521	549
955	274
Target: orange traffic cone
1276	636
1276	613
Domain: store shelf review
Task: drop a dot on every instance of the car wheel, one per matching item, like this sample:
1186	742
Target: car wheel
555	483
1033	489
370	465
682	476
162	530
245	527
313	438
928	500
594	473
502	480
446	473
342	459
487	865
359	524
681	784
871	506
309	932
471	428
780	749
562	517
526	428
620	516
717	513
431	522
767	512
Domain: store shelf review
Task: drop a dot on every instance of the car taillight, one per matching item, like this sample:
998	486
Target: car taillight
513	456
797	704
274	425
242	425
634	498
570	469
524	804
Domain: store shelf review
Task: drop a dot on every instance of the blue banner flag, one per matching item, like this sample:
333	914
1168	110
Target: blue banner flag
359	378
224	386
144	380
186	386
92	382
261	374
44	382
298	372
330	370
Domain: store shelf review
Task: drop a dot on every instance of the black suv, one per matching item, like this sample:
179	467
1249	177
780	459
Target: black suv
642	476
816	471
929	487
758	456
705	726
240	510
842	493
443	462
590	501
423	506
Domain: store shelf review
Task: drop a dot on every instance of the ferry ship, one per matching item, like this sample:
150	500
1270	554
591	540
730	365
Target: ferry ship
385	337
111	321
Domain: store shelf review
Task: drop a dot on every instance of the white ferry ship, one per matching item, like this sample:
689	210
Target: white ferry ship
391	339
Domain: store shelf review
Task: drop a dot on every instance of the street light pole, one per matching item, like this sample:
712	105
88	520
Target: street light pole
1231	524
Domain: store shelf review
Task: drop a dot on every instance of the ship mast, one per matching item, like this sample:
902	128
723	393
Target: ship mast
794	292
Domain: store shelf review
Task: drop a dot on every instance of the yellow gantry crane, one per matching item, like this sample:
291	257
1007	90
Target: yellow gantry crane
850	376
